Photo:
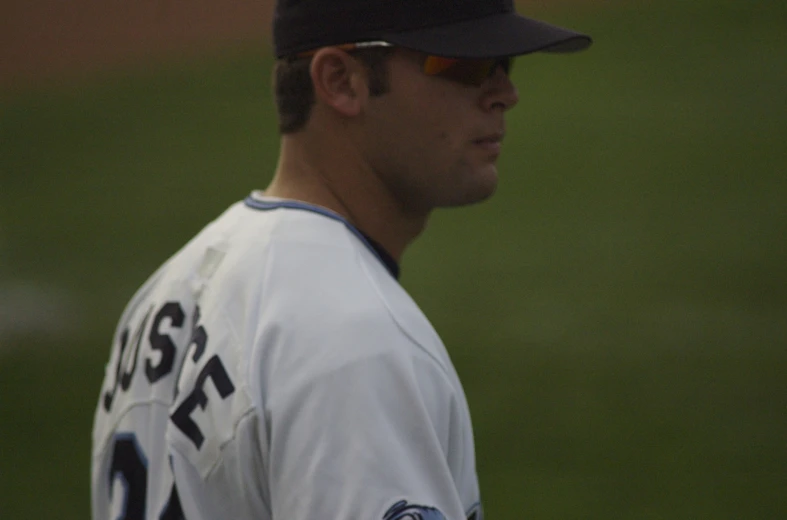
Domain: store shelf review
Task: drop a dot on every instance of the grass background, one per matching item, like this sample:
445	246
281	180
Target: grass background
618	312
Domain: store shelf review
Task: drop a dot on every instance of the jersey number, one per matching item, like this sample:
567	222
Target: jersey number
130	466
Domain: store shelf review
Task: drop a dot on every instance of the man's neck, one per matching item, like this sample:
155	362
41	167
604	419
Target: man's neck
337	179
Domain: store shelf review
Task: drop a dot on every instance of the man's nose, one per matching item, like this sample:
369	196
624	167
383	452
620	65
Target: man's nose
499	91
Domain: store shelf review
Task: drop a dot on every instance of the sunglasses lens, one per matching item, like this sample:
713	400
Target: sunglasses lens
465	71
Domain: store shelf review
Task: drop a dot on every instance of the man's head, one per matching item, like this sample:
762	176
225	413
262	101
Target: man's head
418	87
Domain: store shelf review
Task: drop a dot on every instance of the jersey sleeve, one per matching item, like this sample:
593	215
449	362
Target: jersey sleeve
366	439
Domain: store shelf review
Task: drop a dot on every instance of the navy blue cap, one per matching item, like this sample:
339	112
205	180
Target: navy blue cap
451	28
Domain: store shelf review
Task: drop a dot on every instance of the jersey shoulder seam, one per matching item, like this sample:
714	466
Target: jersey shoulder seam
113	430
400	326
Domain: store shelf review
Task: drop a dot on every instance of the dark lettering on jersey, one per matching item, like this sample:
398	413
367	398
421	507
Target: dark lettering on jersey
133	353
199	338
173	510
129	464
131	344
213	369
109	395
162	342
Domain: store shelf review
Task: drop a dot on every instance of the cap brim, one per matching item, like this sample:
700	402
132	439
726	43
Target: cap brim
505	34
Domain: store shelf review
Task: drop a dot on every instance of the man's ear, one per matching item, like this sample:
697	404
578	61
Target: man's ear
339	81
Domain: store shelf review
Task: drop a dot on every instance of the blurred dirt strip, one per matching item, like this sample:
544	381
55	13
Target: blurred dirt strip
44	40
48	39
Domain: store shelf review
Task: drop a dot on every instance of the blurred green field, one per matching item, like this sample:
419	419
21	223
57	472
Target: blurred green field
618	312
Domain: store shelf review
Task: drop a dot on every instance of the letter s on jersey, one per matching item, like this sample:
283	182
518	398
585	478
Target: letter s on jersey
132	345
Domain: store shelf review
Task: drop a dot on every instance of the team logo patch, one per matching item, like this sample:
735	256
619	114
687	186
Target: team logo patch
404	511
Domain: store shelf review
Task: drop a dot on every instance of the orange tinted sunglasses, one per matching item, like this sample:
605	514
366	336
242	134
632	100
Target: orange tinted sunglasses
466	71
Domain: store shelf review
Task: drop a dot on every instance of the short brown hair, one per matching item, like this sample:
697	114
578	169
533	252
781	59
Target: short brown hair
294	91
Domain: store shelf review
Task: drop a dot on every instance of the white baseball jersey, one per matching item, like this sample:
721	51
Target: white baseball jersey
274	368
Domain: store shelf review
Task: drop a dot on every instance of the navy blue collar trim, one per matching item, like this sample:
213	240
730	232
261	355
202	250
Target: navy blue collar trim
384	256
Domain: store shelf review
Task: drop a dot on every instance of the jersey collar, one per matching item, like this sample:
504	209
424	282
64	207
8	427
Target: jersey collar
257	201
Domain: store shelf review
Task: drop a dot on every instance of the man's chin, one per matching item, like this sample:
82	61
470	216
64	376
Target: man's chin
481	190
486	184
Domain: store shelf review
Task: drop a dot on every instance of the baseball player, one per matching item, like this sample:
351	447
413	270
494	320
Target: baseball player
274	368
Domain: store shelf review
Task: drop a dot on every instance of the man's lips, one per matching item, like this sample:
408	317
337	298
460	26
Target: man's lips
491	142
